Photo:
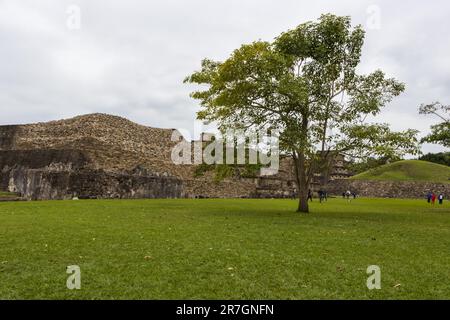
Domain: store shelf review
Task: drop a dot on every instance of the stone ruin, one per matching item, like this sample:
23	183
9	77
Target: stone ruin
104	156
100	156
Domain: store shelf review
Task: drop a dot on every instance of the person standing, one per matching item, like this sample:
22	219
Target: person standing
321	195
310	195
348	194
433	199
441	199
429	196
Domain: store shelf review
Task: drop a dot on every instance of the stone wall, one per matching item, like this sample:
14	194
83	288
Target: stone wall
98	149
228	188
387	189
55	174
45	184
35	159
7	137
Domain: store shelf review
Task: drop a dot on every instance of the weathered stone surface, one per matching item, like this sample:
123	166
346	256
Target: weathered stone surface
96	156
42	158
7	136
387	189
38	184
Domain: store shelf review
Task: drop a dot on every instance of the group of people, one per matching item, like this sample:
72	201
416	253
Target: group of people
349	195
432	197
323	195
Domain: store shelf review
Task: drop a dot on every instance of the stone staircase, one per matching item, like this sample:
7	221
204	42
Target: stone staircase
9	196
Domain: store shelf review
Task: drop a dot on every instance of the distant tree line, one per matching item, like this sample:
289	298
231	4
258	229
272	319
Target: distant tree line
440	158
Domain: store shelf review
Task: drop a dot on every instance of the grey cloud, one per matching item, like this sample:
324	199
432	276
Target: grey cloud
130	57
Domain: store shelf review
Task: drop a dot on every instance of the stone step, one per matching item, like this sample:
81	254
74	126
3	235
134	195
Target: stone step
10	199
9	196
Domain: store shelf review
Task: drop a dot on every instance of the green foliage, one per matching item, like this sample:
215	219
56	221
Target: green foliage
224	249
439	158
250	170
223	171
440	133
305	85
409	170
295	85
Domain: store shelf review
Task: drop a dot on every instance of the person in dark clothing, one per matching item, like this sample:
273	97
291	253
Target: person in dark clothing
310	195
321	195
429	196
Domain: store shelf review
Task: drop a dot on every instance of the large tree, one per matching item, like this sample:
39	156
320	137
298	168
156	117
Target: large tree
440	133
305	85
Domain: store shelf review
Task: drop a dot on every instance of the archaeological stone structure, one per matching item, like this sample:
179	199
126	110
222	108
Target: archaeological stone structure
103	156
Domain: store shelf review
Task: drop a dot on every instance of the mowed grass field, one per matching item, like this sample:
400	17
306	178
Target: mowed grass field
224	249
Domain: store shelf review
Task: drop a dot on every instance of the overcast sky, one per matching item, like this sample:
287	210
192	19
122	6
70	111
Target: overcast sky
129	58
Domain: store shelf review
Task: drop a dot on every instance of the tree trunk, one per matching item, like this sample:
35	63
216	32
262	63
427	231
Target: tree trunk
301	172
303	206
302	182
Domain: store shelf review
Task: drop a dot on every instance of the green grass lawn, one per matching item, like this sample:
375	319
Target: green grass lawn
224	249
408	170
